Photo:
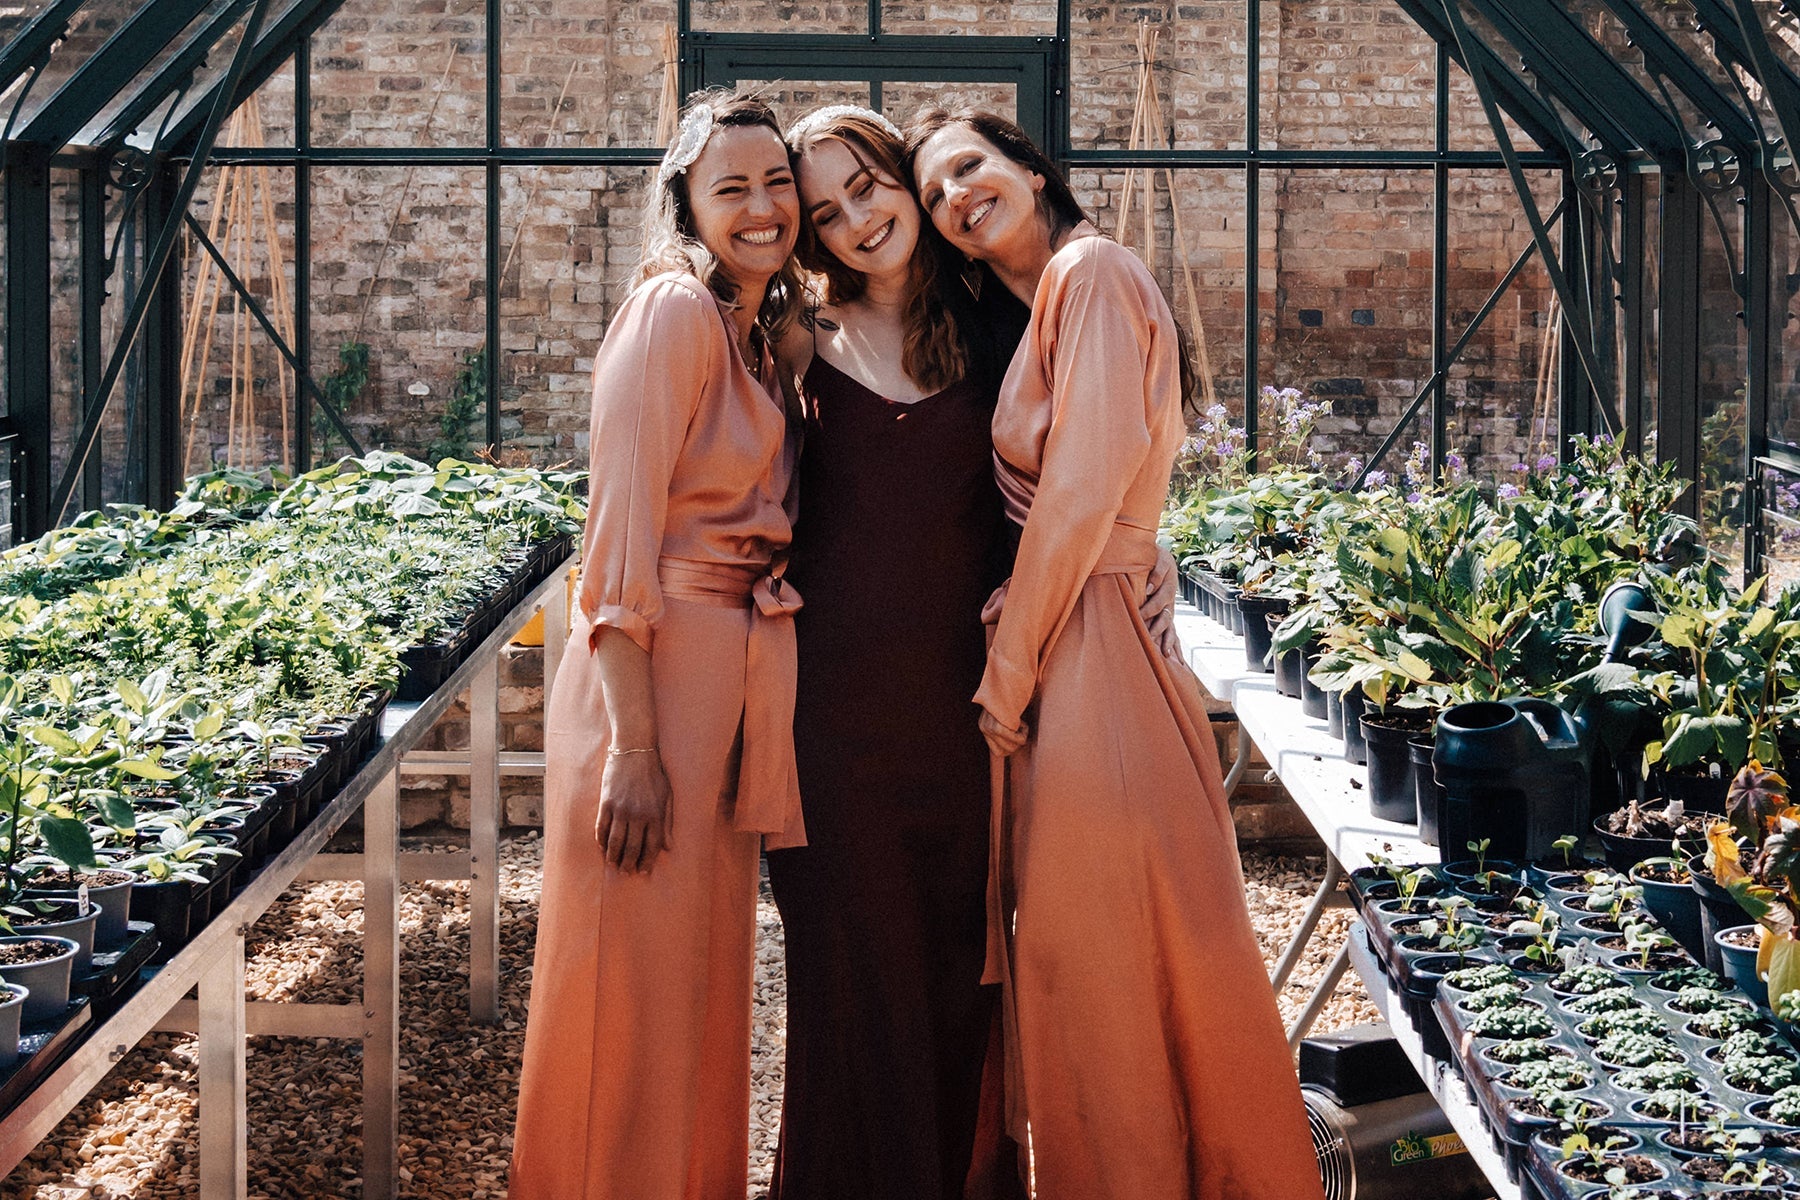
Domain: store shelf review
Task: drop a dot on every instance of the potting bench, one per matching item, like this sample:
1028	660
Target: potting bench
213	961
1329	791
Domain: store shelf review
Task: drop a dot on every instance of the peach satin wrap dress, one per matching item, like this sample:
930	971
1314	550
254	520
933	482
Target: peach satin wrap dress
636	1079
1145	1051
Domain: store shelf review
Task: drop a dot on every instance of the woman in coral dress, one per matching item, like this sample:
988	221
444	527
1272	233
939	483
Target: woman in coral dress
669	749
1146	1057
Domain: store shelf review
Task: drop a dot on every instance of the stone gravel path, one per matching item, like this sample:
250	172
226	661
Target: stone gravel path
135	1135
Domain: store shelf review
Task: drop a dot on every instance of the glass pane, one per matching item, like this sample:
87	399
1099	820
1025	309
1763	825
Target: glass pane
388	76
237	393
902	98
65	325
576	75
793	98
1502	389
1196	250
198	30
6	494
570	241
1781	527
1350	76
1467	120
1198	69
1784	374
1348	274
96	22
397	268
1020	18
766	16
1723	369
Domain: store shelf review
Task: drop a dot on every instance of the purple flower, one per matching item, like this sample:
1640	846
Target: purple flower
1546	461
1453	461
1376	479
1414	497
1507	491
1520	468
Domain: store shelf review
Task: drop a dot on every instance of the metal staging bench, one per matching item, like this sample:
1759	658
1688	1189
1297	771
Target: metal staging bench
1310	764
213	961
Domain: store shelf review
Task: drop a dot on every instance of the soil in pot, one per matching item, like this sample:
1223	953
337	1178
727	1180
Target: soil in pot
1639	1168
1713	1168
1634	833
108	888
1531	1106
61	918
41	965
1391	793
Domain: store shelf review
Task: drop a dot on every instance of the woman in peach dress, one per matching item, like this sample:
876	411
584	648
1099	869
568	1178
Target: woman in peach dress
1146	1057
669	747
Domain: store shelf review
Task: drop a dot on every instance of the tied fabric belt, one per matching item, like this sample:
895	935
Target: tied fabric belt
768	799
1128	550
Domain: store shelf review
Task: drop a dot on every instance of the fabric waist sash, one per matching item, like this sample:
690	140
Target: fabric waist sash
768	799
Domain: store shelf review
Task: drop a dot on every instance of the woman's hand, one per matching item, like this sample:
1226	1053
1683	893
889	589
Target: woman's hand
635	814
1000	739
1158	608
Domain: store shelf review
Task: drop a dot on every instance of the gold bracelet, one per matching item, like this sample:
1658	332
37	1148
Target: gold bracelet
615	751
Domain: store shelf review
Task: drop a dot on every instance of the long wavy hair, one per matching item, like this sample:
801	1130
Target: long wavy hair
933	351
670	243
1056	201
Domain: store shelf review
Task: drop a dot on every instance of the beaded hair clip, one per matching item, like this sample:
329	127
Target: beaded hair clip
818	118
690	140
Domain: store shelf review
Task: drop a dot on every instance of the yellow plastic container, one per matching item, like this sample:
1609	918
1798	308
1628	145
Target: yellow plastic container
533	633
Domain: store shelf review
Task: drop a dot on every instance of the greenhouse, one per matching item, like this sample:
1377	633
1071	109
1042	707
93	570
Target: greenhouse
344	413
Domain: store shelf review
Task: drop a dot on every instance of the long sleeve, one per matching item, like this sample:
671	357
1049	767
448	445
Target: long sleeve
648	376
1093	344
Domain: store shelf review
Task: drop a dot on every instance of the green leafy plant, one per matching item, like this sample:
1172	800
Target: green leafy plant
467	401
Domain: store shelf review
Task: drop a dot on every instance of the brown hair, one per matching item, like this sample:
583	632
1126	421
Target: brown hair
1056	201
932	351
670	243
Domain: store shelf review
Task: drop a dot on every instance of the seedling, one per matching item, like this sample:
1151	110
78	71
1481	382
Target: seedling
1479	849
1579	1146
1567	844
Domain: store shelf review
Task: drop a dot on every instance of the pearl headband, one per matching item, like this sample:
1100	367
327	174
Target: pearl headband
696	129
813	121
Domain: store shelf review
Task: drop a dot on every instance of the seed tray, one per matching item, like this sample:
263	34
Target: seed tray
42	1046
114	974
1483	1072
1542	1160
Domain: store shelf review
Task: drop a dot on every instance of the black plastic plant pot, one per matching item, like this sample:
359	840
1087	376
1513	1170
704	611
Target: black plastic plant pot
1697	793
1290	665
1234	614
165	904
1334	714
1740	961
1428	797
1391	794
1515	774
1623	852
1257	610
1356	748
1676	907
1718	910
1312	696
45	974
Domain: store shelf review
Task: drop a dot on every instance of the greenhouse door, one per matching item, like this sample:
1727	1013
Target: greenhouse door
1017	77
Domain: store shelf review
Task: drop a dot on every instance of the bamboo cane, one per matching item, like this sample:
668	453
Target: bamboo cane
668	105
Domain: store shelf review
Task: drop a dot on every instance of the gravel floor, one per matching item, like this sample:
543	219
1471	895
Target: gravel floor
135	1135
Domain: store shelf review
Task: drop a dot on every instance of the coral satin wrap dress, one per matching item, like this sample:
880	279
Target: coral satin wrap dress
1145	1051
636	1079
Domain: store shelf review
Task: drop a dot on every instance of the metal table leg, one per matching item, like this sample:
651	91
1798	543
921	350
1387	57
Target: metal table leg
1321	996
1245	748
381	989
224	1099
1324	898
484	845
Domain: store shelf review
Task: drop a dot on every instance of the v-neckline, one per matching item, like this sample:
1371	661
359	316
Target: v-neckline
866	390
767	375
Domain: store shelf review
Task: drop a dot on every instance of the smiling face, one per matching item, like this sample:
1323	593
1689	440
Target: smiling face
984	203
862	216
743	204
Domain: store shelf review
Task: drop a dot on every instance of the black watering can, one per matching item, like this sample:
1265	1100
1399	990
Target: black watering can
1515	772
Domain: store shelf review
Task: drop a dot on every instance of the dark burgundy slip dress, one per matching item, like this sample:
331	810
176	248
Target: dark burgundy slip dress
898	544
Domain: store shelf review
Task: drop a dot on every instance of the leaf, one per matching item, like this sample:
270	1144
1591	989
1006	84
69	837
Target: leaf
144	768
118	812
55	739
69	841
1754	797
132	695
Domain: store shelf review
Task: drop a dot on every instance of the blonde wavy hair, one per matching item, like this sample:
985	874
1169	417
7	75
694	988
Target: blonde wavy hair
670	243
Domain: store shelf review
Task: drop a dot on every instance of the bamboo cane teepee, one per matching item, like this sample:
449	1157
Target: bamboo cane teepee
1146	117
